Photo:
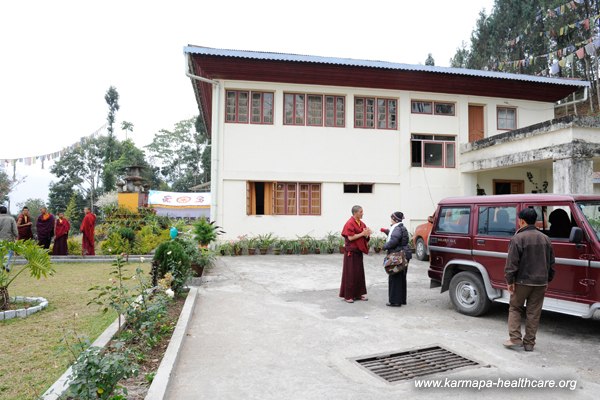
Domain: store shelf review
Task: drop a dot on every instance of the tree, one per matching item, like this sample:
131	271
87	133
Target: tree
82	167
429	60
180	153
5	186
112	99
127	127
461	58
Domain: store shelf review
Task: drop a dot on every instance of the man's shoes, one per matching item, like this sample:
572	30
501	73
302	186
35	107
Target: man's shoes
528	347
509	344
393	305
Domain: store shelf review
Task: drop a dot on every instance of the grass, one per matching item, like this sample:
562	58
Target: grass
33	356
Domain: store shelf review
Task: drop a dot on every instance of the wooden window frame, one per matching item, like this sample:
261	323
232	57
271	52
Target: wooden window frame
376	113
498	109
443	143
294	105
421	112
250	107
314	191
444	102
309	109
336	113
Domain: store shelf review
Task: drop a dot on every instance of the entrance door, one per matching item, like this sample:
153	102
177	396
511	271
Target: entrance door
476	131
502	186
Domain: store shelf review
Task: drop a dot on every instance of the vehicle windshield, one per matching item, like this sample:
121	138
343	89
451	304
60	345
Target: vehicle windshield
591	211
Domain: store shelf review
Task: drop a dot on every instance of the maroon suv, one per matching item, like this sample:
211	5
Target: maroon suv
468	246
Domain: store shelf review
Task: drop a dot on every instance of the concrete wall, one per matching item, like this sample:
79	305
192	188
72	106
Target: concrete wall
332	156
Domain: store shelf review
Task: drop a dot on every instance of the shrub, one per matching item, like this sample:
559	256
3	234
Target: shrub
74	247
146	240
206	232
171	257
115	244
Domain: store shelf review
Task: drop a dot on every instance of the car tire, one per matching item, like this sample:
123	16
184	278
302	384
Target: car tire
468	294
421	250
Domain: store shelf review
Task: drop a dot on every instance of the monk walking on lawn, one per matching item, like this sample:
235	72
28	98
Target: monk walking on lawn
87	228
61	235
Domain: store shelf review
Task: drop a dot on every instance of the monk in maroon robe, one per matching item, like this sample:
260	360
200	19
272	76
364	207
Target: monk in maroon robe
45	228
24	225
357	237
61	234
87	228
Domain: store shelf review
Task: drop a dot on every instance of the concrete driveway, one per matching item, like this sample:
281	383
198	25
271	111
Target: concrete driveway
272	327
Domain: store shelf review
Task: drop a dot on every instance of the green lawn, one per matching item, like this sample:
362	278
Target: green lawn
31	352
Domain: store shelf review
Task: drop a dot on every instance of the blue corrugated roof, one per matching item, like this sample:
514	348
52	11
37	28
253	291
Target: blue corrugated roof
260	55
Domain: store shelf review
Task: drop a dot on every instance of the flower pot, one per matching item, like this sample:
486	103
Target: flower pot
263	251
317	251
237	252
342	249
289	251
251	252
304	250
377	249
276	251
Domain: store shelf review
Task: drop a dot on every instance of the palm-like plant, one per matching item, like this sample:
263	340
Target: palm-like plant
38	264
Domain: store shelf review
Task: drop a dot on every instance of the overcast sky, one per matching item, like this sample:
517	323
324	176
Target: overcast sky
60	57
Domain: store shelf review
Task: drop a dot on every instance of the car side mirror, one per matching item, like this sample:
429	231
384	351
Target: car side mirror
576	235
430	219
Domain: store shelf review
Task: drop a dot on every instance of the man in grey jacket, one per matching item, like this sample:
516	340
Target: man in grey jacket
8	232
529	268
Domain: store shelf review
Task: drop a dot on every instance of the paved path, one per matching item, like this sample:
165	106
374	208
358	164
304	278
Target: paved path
272	327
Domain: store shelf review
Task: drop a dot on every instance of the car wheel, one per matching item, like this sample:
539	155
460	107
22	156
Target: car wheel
421	250
468	295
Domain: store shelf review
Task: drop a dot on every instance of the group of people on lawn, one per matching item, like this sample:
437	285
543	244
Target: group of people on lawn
48	227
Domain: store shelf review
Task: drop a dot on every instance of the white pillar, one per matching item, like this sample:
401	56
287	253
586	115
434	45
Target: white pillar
573	176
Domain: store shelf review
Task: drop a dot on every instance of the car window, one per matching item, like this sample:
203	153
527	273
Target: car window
555	220
454	220
497	221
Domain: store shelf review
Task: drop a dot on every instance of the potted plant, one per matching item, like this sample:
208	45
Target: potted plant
252	244
224	248
242	244
203	259
377	243
333	242
294	247
305	244
264	242
278	247
341	242
236	248
322	246
206	232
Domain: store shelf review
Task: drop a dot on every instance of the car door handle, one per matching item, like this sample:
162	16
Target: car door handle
480	241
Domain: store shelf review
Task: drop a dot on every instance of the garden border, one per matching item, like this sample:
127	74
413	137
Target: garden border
161	380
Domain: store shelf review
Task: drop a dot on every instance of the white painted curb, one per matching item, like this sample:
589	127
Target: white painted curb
160	383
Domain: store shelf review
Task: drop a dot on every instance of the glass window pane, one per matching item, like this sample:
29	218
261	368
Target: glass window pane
444	108
359	110
450	162
421	107
299	110
288	101
392	114
433	154
454	219
340	111
315	110
243	107
256	108
268	108
329	110
416	153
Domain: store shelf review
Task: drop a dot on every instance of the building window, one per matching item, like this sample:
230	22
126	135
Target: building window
433	151
507	118
320	110
429	107
366	109
358	188
444	108
239	104
293	198
497	221
335	111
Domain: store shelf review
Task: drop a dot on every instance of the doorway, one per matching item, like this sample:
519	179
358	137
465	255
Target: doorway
476	127
502	186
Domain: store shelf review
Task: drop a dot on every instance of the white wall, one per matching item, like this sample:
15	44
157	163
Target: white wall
332	156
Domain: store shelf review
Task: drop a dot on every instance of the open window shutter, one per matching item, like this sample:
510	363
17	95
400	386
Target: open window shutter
248	198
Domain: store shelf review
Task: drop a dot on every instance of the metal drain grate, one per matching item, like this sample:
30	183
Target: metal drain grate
414	363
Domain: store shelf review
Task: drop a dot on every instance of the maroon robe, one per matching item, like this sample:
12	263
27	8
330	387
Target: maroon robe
45	229
353	274
87	228
61	234
25	232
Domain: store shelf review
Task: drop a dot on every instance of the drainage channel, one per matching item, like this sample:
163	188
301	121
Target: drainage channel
414	363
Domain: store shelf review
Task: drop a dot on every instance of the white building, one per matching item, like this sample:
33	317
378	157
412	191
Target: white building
298	140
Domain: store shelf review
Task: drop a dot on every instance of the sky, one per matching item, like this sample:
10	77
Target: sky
60	57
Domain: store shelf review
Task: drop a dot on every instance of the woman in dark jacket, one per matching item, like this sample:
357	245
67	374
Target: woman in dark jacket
397	240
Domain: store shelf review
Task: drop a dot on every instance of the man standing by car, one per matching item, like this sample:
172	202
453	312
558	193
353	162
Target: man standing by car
529	268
